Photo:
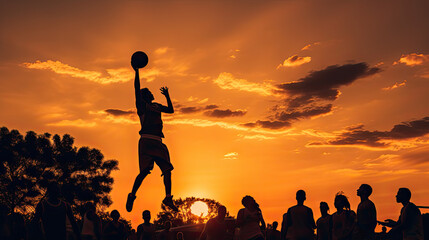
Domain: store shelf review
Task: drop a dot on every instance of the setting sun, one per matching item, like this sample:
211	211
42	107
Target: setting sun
199	208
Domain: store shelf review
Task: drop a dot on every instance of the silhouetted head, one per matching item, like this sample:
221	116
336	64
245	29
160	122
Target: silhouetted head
324	208
300	196
146	215
364	190
115	215
384	229
249	202
403	195
275	225
167	225
53	190
341	202
146	95
221	212
179	236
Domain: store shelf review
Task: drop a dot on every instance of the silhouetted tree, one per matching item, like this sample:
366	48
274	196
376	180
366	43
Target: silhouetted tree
184	215
28	163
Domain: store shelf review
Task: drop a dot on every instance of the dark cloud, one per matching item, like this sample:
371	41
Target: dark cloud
118	112
310	96
187	110
357	135
219	113
190	110
212	106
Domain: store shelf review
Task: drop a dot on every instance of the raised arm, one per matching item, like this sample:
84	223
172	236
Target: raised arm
137	88
169	108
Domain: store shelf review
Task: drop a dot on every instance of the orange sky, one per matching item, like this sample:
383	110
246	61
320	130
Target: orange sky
270	96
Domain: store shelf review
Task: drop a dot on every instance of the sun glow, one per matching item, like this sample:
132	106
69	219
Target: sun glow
200	208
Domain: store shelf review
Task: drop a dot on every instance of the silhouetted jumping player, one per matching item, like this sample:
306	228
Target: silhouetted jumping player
410	221
250	220
298	222
151	148
343	220
146	230
366	214
324	223
53	213
216	228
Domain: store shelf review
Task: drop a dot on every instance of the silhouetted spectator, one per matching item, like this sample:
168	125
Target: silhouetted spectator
343	220
410	221
132	235
165	233
53	213
250	220
216	228
273	233
298	223
146	230
114	230
366	214
91	229
324	223
180	236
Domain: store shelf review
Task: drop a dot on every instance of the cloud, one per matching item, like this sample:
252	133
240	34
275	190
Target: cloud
211	106
396	85
413	59
228	81
309	97
195	109
118	112
311	45
117	75
219	113
294	61
73	123
358	136
231	156
256	137
114	75
161	50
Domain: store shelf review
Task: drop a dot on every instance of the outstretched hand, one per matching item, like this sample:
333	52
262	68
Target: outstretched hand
164	91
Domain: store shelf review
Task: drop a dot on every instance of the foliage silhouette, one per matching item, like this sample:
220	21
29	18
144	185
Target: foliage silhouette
184	215
28	163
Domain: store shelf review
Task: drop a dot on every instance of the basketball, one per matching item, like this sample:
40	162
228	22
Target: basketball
139	59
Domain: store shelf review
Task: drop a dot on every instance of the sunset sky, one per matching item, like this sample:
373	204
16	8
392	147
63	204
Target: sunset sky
270	96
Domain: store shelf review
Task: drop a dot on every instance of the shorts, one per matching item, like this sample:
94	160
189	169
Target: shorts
150	151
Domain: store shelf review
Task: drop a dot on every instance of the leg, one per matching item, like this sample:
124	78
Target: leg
167	183
138	182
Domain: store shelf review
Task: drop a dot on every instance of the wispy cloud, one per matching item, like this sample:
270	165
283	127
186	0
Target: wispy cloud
256	137
74	123
222	113
231	156
396	85
413	59
162	50
399	137
311	45
294	61
228	81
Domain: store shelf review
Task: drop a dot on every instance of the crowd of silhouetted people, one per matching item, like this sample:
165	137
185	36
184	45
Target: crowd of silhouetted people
55	221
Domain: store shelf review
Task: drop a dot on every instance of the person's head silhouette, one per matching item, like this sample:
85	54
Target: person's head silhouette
167	225
275	225
115	215
146	216
249	202
300	197
146	95
221	212
53	190
341	202
364	191
383	229
179	236
324	208
403	196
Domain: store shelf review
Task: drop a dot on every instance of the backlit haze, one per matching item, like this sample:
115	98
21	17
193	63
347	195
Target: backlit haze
270	96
